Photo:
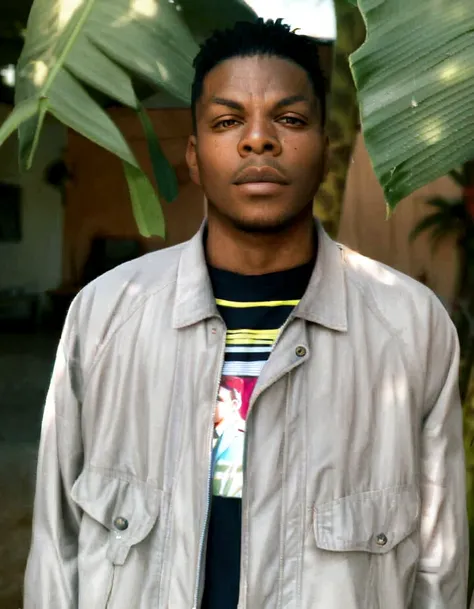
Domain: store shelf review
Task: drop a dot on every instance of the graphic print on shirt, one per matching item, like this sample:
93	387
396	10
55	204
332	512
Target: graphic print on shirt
246	352
229	431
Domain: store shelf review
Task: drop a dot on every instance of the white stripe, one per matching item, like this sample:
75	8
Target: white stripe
242	368
249	349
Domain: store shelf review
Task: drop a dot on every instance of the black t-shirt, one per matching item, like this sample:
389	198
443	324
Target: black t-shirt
254	308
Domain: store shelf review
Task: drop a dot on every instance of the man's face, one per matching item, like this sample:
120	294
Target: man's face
259	151
226	405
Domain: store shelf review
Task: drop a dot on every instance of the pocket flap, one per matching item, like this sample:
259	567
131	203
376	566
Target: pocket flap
127	507
374	521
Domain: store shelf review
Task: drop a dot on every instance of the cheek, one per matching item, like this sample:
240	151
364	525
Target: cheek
215	160
308	158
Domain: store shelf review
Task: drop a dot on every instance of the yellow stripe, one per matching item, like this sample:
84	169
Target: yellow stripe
247	334
251	337
264	303
244	340
249	341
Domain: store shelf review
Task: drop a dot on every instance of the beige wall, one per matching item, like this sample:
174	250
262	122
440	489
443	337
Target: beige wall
364	226
35	262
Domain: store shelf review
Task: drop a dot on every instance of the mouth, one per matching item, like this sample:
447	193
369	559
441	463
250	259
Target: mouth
261	181
260	175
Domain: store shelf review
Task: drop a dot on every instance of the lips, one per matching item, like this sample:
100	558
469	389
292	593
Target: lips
259	175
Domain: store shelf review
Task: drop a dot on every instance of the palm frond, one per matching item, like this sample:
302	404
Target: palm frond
443	203
427	223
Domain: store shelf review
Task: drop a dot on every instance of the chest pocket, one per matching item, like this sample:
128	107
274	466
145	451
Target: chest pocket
126	507
374	521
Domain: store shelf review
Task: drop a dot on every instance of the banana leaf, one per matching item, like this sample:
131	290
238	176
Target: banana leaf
415	80
76	49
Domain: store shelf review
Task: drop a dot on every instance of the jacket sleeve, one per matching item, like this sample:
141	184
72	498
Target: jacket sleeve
51	573
441	581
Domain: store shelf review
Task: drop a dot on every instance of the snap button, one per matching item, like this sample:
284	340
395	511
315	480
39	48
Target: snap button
300	351
120	523
381	539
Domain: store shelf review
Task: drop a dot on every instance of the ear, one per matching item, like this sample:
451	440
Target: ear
191	160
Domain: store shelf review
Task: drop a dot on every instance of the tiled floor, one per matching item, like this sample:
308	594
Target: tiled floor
25	367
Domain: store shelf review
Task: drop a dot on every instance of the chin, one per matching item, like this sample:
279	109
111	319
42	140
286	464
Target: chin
267	223
263	226
267	219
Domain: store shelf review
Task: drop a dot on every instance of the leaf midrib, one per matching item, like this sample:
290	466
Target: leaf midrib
67	47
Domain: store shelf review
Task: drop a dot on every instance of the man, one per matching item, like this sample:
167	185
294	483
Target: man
348	490
229	437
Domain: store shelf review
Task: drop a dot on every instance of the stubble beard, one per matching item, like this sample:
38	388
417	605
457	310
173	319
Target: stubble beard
264	226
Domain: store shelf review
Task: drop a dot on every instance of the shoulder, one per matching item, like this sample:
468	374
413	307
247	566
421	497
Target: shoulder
401	302
127	284
107	303
408	310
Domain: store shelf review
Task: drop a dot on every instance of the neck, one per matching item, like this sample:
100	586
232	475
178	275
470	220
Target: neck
234	250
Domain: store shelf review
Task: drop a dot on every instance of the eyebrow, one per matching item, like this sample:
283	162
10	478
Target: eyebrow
289	101
229	103
235	105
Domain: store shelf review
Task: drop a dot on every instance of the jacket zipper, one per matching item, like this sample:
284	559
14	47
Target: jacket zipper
112	580
202	541
242	602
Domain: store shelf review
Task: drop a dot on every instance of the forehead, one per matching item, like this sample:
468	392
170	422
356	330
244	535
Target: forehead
255	78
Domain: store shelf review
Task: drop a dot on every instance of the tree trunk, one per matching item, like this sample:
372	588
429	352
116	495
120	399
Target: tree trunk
343	116
463	316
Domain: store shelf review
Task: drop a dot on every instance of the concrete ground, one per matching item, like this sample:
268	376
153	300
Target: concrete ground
25	366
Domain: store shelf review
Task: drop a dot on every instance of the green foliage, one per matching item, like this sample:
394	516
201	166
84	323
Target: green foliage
468	407
76	53
415	81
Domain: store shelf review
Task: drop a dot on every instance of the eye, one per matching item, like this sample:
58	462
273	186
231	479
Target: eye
292	120
226	123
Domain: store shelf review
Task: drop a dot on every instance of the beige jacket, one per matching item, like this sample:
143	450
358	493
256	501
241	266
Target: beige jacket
354	474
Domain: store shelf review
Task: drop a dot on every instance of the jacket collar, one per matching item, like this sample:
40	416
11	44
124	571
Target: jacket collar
194	300
324	301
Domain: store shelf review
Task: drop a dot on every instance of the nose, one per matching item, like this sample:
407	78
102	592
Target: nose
259	138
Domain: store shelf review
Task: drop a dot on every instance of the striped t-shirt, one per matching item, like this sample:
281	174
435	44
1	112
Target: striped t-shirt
254	308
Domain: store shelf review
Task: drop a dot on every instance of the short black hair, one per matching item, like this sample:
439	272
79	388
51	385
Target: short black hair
250	38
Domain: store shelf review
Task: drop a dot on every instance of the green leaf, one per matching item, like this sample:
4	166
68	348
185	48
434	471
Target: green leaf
145	204
103	44
72	105
415	78
20	114
354	2
92	67
164	174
